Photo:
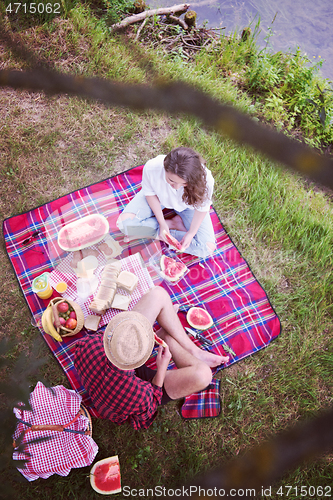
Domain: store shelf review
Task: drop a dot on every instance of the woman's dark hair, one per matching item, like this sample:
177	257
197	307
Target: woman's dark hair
189	166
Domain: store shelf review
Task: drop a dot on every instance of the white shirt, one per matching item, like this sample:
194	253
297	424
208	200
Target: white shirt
154	183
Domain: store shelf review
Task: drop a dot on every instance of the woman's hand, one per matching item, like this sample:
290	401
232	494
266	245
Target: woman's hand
163	227
186	240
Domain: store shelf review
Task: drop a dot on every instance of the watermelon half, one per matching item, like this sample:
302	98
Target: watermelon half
105	476
199	318
171	241
172	269
83	233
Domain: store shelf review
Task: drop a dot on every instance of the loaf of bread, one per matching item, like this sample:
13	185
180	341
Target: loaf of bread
108	283
107	289
98	306
107	294
113	268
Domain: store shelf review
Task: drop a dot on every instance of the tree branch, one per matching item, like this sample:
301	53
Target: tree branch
176	98
176	20
269	461
181	8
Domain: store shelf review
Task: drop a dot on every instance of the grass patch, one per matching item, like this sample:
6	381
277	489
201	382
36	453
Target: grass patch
281	224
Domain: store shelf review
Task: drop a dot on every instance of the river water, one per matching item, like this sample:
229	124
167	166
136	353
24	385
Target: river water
303	23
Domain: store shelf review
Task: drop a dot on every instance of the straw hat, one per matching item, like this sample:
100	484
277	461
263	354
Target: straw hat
128	340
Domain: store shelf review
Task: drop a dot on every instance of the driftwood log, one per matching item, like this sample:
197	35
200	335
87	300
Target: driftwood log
179	21
163	11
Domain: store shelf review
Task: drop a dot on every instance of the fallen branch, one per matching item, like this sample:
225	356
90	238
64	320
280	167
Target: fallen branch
190	45
176	20
140	29
181	8
265	464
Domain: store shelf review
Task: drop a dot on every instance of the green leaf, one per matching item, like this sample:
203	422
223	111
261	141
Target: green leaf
228	349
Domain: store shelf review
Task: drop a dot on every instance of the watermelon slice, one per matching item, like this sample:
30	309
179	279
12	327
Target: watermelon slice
172	269
171	241
105	476
159	341
83	233
199	318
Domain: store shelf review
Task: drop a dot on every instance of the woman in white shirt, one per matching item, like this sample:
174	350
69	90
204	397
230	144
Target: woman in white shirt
177	181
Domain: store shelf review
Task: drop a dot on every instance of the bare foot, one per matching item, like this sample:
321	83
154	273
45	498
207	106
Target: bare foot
176	223
211	359
176	307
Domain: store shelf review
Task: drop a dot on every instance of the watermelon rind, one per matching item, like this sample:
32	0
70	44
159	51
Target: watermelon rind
111	460
163	263
77	223
192	318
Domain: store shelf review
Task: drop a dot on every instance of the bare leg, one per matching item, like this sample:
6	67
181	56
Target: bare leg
157	305
192	375
126	215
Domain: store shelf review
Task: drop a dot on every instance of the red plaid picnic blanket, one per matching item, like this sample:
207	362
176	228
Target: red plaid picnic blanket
205	403
244	320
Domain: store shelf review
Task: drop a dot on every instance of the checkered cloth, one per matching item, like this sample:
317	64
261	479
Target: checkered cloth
63	450
132	263
244	320
203	404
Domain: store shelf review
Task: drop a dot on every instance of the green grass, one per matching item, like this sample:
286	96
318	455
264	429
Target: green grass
282	225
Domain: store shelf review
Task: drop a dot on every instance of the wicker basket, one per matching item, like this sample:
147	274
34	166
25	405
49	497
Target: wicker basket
61	428
86	413
47	315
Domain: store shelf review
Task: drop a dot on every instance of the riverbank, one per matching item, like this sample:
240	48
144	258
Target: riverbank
281	225
284	25
285	90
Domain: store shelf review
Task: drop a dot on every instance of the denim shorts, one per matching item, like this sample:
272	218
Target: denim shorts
145	225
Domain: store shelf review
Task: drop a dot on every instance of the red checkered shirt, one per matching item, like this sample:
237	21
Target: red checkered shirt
117	395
